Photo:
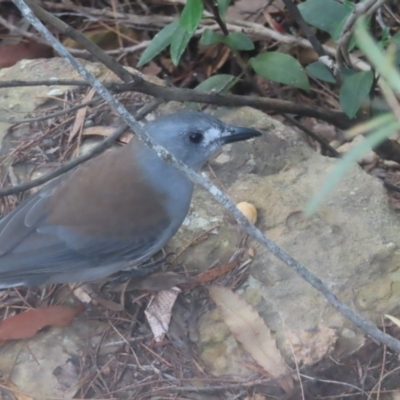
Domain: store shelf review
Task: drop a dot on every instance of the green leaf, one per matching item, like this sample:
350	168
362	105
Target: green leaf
191	15
221	83
159	43
238	41
218	83
179	42
327	15
348	160
209	37
280	68
320	71
222	7
355	91
346	72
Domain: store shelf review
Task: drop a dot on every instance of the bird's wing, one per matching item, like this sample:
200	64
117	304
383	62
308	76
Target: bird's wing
90	218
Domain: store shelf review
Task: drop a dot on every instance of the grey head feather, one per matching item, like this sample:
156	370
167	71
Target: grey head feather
177	133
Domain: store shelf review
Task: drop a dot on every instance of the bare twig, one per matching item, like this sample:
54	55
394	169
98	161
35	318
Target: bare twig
366	8
336	118
235	53
366	325
121	50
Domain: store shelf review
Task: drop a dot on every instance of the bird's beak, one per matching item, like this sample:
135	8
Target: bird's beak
238	133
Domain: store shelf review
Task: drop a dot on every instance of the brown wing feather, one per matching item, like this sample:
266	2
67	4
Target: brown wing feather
102	199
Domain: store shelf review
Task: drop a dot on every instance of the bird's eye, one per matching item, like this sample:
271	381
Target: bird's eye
196	137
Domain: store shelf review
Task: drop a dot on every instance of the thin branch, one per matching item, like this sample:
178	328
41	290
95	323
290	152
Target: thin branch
336	118
367	8
121	50
366	325
236	55
322	141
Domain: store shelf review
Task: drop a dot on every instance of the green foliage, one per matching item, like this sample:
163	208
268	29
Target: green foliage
161	41
191	15
327	15
236	40
209	37
350	158
179	42
220	83
321	72
377	129
280	68
222	7
177	34
355	91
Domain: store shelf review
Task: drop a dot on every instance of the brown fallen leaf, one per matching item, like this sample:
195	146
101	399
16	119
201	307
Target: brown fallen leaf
27	324
250	330
214	273
106	131
10	54
98	130
80	116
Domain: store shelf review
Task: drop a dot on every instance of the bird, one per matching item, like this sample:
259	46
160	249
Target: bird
115	210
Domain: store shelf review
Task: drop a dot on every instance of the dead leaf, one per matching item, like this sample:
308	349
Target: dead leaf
106	131
80	116
98	131
10	54
395	320
250	330
151	69
80	293
251	252
27	324
158	312
214	273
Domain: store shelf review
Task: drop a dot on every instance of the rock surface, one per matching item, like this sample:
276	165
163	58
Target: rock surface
351	243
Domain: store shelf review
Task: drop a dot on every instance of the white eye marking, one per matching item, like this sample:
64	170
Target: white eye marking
211	135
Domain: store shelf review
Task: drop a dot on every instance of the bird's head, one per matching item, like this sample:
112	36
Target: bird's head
193	136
